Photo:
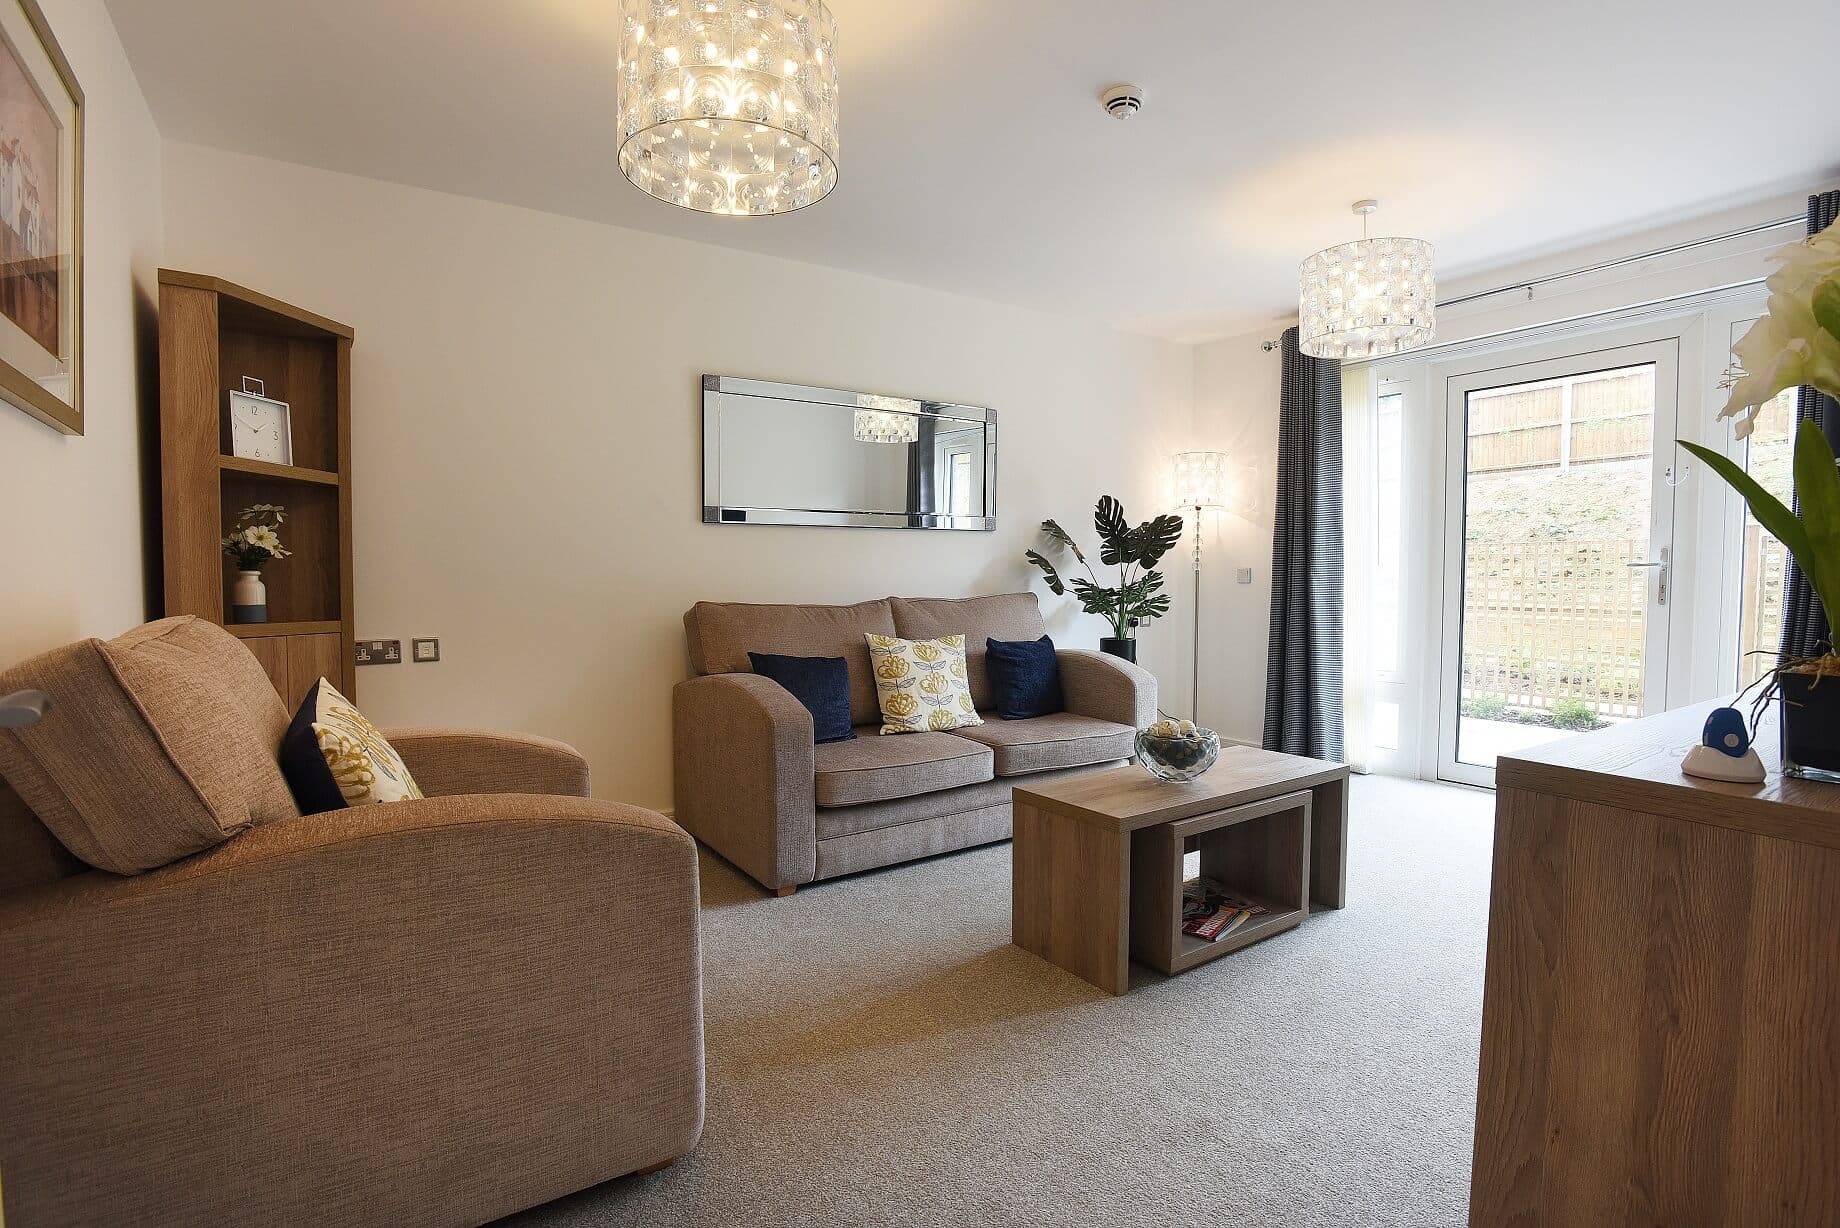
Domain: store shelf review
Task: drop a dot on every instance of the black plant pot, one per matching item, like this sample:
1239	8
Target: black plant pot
1123	648
1810	724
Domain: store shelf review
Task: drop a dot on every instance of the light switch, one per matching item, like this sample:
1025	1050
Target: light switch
1245	575
424	651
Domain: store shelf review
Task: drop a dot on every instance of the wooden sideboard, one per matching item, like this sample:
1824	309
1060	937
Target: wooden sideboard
1661	1014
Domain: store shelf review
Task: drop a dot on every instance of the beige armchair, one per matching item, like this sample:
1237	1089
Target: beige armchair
750	783
429	1012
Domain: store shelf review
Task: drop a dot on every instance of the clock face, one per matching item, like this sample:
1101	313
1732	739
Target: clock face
259	431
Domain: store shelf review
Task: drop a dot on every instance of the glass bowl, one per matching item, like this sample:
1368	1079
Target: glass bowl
1178	758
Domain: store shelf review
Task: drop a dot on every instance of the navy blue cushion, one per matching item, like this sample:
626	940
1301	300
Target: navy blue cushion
1025	677
822	684
304	765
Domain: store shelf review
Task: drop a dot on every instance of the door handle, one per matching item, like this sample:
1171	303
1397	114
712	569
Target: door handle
1665	563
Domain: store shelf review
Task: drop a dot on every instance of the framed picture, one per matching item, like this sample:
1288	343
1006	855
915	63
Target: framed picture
41	222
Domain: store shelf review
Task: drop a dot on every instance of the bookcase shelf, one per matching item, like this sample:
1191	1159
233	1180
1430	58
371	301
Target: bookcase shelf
262	631
213	333
280	473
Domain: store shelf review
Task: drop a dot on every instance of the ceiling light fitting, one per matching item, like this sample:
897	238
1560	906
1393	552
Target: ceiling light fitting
729	106
1368	298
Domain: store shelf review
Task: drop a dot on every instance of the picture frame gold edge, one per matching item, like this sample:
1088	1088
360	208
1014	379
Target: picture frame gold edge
18	388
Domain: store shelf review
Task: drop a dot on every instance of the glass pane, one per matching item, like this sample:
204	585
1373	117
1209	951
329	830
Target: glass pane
1557	499
1387	509
1769	459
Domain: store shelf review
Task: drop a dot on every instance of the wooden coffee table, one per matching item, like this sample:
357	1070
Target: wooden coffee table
1073	868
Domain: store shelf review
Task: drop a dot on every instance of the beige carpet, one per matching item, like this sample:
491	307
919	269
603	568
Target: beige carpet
879	1054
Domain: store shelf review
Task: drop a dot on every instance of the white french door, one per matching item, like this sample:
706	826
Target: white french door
1559	570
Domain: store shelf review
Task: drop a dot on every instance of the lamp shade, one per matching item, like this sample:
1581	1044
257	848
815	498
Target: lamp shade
729	106
1201	479
1366	299
881	426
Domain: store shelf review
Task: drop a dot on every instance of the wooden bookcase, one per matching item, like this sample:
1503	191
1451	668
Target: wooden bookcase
212	334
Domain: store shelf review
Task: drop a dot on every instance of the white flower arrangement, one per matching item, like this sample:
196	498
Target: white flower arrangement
255	541
1798	340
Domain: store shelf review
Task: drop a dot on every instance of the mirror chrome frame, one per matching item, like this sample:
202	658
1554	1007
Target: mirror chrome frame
720	513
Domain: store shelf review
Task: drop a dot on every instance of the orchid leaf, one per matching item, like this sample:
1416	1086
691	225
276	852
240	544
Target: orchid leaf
1770	511
1817	487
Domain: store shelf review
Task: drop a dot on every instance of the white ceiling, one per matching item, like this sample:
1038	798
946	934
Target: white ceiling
976	158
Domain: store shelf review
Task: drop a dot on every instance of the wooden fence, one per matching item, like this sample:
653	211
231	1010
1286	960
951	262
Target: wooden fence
1562	423
1558	620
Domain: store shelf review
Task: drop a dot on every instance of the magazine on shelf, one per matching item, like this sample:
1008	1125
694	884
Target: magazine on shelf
1211	912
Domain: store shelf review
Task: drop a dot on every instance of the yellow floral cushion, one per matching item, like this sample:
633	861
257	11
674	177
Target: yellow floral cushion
333	757
922	684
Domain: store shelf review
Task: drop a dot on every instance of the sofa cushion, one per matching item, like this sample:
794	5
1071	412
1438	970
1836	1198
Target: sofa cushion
722	633
921	684
821	684
1006	616
334	758
873	769
158	744
1059	741
1025	678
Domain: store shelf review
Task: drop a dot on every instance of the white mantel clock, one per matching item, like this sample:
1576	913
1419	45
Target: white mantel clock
260	428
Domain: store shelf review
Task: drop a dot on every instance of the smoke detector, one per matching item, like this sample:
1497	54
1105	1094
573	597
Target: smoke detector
1122	101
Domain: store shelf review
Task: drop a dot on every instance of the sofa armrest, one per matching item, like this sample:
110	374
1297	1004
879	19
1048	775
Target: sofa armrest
1107	688
447	762
743	775
429	1011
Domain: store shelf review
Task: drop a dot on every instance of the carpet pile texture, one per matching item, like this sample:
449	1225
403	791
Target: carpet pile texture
878	1053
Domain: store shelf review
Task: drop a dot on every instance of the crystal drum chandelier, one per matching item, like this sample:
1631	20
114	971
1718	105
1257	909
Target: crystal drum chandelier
729	106
1367	298
880	426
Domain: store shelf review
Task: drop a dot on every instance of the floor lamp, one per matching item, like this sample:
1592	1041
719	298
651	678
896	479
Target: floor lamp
1200	483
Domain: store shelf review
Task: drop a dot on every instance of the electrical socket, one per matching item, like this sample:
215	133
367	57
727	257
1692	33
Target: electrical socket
380	652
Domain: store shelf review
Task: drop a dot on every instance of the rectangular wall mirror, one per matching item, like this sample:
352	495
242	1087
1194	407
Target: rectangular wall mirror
788	454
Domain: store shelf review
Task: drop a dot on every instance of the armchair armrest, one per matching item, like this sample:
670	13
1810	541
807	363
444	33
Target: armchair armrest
440	1010
447	762
743	775
1107	688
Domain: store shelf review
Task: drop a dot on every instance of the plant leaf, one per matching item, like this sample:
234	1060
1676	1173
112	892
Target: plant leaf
1114	533
1055	585
1055	532
1770	511
1155	538
1817	486
1093	599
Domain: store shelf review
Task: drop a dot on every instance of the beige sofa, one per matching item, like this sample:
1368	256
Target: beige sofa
428	1012
752	786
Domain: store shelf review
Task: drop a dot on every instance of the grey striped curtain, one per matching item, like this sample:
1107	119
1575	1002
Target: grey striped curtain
1303	675
1805	627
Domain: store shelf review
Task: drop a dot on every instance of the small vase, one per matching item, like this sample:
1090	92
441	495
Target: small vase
1810	706
248	598
1126	649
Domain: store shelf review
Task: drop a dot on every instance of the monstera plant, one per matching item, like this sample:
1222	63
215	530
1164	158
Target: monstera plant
1134	550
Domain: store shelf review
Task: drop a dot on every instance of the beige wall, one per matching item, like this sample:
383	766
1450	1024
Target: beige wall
1236	412
527	421
71	527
